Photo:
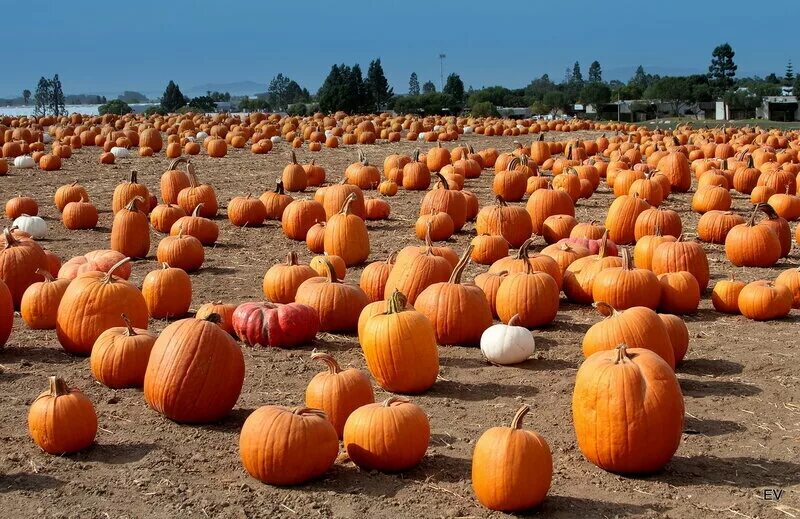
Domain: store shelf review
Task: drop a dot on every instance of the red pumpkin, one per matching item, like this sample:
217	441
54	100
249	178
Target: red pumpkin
270	324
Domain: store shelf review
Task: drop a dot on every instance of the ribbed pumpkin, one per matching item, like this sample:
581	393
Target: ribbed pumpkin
93	303
120	354
299	216
752	245
338	392
65	194
680	293
655	217
580	274
223	310
437	157
195	372
399	345
675	166
548	202
246	211
627	408
20	258
319	264
682	255
487	249
638	326
374	277
274	324
62	420
294	177
714	226
450	201
511	183
565	254
127	191
416	268
557	227
6	313
198	226
391	436
626	286
791	279
130	231
511	222
538	262
621	218
490	282
276	201
281	446
283	279
346	235
512	468
725	295
711	198
167	292
173	181
646	247
181	251
164	215
779	225
39	305
338	304
333	198
678	335
97	260
459	312
196	194
365	176
530	295
765	300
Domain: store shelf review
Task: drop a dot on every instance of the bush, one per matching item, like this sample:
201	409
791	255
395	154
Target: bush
155	110
297	109
484	109
116	107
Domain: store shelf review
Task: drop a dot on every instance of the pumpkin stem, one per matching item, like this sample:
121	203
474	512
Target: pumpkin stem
309	411
10	240
603	242
333	366
331	271
45	274
193	181
622	353
768	210
130	332
164	265
213	318
455	277
109	277
752	220
501	201
196	211
174	164
293	157
392	258
514	318
132	204
522	253
346	205
134	177
279	187
626	259
291	258
516	423
512	164
604	308
58	387
442	180
397	303
396	399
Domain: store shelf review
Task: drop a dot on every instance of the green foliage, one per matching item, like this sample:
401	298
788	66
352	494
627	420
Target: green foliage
297	109
283	91
254	105
722	69
484	109
130	96
26	96
595	93
554	100
155	110
116	107
742	100
595	74
788	76
219	96
413	85
499	96
576	77
57	100
42	97
454	88
173	98
433	103
428	88
377	85
202	104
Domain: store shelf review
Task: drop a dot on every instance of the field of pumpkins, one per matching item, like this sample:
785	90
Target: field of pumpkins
340	316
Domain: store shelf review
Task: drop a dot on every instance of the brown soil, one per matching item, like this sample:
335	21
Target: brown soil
740	383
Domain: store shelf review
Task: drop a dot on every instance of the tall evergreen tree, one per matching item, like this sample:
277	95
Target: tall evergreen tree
330	93
595	73
57	100
359	98
722	69
413	85
377	85
26	96
788	77
277	91
454	87
42	97
173	99
576	76
428	88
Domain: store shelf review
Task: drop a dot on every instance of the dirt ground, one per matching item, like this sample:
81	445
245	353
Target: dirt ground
740	383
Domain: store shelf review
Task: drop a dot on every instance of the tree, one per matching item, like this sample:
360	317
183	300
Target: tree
454	88
57	97
26	96
554	101
219	96
722	69
772	78
331	93
576	76
675	90
595	74
484	109
42	97
595	93
278	91
428	88
344	89
359	98
413	85
788	77
378	86
641	80
130	96
539	87
173	99
203	104
116	107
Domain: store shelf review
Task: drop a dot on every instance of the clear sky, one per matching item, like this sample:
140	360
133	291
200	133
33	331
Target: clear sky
102	46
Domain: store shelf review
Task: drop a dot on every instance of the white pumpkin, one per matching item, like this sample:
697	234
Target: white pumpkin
421	137
437	128
201	136
275	139
328	134
47	138
120	152
33	225
468	129
507	343
24	162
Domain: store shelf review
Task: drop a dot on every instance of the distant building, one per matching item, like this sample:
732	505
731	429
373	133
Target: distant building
515	112
779	108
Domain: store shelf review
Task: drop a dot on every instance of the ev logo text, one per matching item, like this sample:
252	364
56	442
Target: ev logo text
772	494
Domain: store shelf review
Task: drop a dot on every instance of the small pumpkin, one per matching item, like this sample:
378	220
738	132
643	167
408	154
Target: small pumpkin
507	344
62	420
765	300
39	305
167	292
120	354
283	279
338	304
276	325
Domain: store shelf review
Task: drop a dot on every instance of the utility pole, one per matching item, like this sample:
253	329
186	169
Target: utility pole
441	70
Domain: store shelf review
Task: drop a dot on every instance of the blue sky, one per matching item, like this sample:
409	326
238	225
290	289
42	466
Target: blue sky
102	46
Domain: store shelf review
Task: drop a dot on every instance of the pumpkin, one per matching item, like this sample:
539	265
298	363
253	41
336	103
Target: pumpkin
338	304
6	313
680	293
678	335
163	216
459	312
791	279
621	218
626	286
195	372
283	279
333	198
374	277
151	138
437	157
346	236
130	231
93	303
557	227
282	446
314	173
507	344
627	409
646	246
223	311
751	245
714	226
416	175
675	166
276	201
20	205
391	436
779	225
711	198
19	260
538	262
657	218
127	191
512	468
444	199
197	194
205	230
33	225
580	274
512	183
338	392
167	292
489	282
682	255
40	301
548	202
765	300
364	175
638	327
416	268
294	177
376	209
399	345
532	296
97	260
277	325
62	420
725	295
318	264
181	251
79	215
120	354
65	194
511	222
245	211
299	216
